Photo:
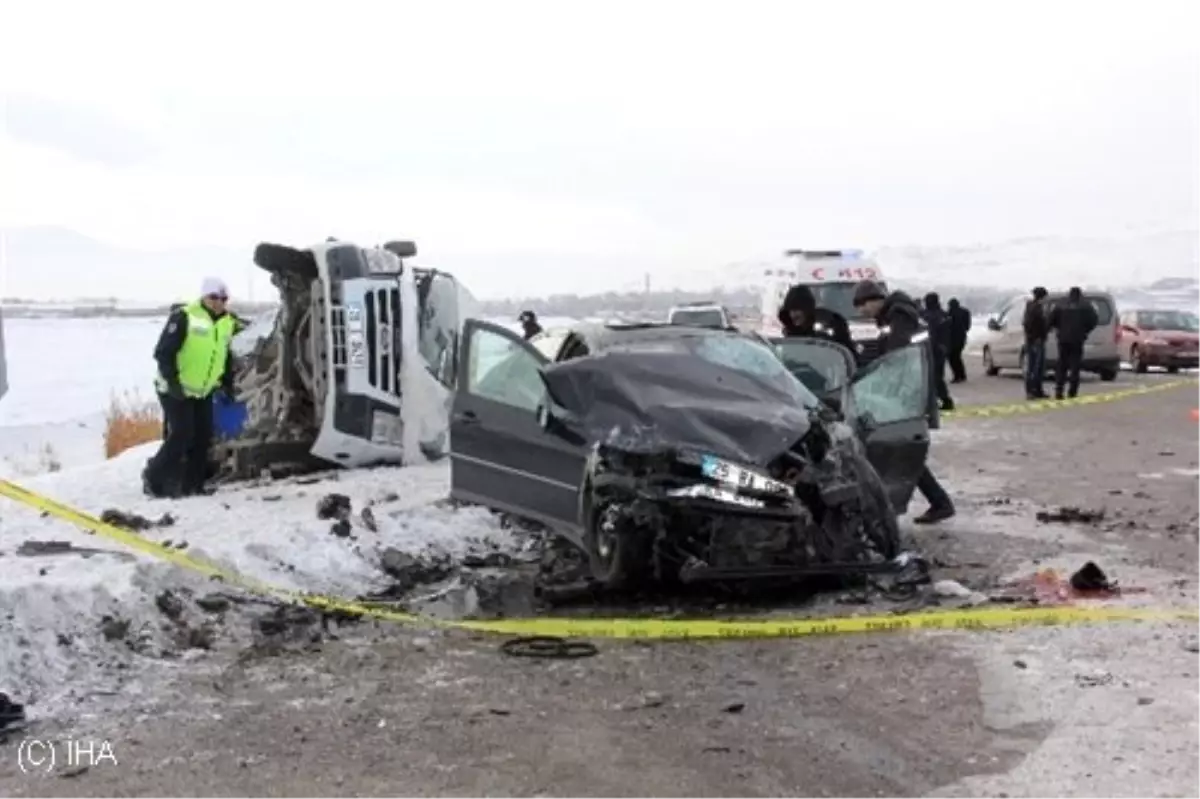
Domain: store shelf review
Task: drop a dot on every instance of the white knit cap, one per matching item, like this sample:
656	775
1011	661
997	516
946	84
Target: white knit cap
214	285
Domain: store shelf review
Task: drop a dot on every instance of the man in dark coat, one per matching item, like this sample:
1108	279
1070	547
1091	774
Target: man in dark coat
800	317
1072	321
529	324
960	324
1036	329
899	320
938	323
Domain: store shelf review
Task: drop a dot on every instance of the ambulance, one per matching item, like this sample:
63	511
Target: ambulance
832	276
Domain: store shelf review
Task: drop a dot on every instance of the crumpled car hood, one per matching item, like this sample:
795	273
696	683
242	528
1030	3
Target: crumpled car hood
649	401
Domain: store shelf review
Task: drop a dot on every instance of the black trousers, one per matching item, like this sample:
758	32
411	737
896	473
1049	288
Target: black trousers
181	463
1070	361
955	359
162	403
939	378
932	490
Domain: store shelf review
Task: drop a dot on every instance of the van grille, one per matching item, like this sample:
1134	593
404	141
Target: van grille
382	310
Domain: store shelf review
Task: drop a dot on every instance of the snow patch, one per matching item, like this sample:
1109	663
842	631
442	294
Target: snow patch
51	605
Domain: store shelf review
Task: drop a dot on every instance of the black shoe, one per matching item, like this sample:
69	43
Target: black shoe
1058	396
947	406
934	515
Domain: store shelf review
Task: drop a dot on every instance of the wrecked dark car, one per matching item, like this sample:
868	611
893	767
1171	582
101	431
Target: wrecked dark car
354	368
688	454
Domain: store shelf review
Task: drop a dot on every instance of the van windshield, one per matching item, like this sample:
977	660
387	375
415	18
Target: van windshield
838	297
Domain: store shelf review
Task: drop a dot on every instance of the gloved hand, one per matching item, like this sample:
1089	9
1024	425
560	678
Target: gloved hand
175	390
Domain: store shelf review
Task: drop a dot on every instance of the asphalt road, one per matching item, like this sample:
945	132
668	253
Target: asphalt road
1106	710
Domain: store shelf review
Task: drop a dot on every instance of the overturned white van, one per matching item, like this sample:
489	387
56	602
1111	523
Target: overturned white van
356	366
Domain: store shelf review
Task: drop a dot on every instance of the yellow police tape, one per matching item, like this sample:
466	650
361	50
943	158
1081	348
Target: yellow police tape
1039	406
675	629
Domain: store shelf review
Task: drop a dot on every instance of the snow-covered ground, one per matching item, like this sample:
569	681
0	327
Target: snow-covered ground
52	604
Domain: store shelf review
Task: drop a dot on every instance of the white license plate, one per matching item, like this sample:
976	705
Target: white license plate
733	475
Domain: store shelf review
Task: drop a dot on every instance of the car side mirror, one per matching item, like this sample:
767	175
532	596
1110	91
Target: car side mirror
994	325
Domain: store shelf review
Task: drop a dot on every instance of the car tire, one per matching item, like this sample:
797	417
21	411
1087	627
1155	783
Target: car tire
279	259
619	553
1173	370
1107	375
882	524
1135	361
989	366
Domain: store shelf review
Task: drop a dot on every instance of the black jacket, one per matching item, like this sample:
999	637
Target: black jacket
899	320
960	324
1073	321
819	322
937	321
1034	322
171	340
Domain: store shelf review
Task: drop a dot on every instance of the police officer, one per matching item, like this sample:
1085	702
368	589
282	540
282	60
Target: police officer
899	320
937	321
800	317
193	362
529	324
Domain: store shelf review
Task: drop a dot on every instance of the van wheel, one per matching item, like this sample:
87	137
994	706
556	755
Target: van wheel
1136	362
1107	375
989	366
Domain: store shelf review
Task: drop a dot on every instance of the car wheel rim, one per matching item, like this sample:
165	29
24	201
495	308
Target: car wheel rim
606	535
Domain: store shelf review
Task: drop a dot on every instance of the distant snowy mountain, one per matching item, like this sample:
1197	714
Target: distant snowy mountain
51	262
1134	259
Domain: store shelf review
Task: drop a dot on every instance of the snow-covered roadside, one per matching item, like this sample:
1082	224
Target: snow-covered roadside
52	605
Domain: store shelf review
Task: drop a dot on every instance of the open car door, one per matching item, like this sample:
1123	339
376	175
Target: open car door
894	401
500	455
823	366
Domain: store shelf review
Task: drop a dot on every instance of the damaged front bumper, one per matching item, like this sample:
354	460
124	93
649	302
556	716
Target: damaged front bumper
708	519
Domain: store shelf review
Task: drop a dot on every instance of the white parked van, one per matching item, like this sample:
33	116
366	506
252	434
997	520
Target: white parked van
1005	348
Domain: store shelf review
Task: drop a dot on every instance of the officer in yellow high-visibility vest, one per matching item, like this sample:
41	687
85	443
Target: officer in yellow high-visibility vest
193	362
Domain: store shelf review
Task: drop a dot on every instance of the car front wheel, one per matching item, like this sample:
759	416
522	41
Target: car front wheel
618	550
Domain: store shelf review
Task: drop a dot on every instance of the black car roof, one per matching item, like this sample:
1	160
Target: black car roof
600	337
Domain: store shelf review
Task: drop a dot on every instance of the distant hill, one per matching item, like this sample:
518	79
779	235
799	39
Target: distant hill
53	262
45	262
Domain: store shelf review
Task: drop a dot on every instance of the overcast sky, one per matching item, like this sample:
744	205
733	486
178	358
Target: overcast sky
665	135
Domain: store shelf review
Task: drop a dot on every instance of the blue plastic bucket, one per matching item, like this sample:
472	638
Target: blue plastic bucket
229	417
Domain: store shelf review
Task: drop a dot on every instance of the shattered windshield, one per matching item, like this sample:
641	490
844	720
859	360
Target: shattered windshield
439	325
738	353
1168	320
